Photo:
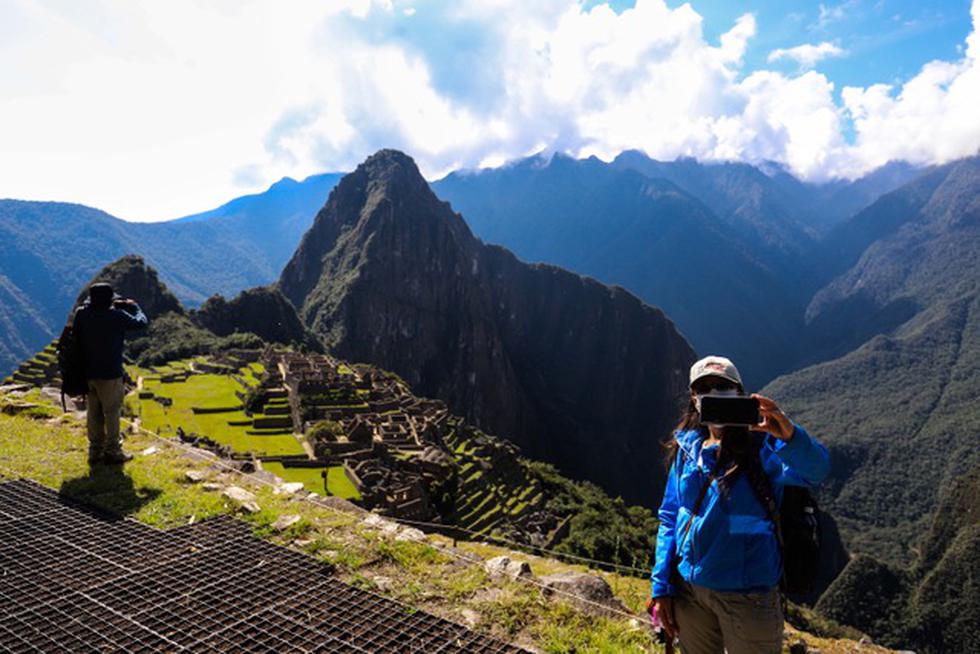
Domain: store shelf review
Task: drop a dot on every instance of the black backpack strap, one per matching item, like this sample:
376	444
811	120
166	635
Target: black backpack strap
761	486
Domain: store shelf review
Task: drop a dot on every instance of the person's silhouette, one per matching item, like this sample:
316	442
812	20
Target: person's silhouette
100	326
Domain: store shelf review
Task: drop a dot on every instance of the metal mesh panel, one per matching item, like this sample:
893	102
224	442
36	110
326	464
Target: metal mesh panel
75	580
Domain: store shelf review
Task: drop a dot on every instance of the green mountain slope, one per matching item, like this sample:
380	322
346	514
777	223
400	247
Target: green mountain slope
933	606
899	413
49	249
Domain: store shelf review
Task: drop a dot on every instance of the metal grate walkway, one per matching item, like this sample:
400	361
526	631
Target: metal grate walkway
72	580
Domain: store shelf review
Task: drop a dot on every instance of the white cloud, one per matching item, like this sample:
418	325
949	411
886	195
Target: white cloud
829	14
153	110
807	54
931	118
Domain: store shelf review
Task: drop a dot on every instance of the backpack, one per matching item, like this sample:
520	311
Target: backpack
797	522
71	365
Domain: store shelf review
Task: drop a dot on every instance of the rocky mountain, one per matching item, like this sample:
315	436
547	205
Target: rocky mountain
263	311
130	277
899	412
710	275
252	318
712	244
573	371
49	249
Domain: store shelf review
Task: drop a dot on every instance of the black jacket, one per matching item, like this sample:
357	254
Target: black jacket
100	333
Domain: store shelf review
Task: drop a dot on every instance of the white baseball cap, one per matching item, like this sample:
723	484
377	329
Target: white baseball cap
715	366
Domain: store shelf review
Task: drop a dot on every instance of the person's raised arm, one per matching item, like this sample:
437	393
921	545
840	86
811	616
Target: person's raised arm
805	460
133	316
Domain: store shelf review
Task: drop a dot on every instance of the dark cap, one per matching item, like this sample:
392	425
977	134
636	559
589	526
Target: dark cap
100	294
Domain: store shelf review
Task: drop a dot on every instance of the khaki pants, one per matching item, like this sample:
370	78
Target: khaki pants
104	402
712	622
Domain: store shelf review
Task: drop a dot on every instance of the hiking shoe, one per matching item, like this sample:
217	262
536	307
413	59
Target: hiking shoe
117	458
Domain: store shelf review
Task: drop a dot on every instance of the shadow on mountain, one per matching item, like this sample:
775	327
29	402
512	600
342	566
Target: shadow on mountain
110	489
850	322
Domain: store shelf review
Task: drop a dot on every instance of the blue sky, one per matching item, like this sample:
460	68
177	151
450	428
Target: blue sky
886	40
152	110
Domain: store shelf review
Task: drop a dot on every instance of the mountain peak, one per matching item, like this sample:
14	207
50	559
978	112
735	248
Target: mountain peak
131	277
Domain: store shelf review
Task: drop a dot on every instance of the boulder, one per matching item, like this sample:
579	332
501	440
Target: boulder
195	476
289	488
243	498
384	584
375	521
503	566
410	533
284	522
590	593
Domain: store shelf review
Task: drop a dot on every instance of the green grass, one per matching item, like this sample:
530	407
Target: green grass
210	391
337	481
340	485
153	489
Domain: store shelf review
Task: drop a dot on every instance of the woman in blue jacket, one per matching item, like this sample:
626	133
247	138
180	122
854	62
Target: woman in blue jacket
718	564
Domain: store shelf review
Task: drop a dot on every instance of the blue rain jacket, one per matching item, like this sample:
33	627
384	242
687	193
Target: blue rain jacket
732	544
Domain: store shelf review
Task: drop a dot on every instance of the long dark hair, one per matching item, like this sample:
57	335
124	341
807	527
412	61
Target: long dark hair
690	419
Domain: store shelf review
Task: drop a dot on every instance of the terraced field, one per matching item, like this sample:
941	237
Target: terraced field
337	482
39	370
489	496
207	404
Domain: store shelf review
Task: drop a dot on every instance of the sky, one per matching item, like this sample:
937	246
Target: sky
153	110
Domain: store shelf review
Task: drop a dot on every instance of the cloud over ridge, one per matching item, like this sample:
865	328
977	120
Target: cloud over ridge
201	95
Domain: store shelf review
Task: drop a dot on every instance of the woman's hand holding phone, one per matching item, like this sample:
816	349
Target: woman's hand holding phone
774	420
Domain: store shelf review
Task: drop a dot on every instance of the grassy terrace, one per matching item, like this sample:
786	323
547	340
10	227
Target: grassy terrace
337	482
207	391
43	445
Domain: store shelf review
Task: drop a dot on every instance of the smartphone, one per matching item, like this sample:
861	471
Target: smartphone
727	410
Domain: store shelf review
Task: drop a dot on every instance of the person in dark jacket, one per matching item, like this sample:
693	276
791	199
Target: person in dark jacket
100	326
718	562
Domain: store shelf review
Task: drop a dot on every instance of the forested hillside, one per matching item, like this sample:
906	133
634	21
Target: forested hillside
899	412
49	249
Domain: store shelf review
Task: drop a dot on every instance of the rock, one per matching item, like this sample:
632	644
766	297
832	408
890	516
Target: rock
284	522
375	521
211	486
410	533
503	566
243	498
150	451
589	592
384	584
15	408
470	618
195	476
865	641
266	476
289	488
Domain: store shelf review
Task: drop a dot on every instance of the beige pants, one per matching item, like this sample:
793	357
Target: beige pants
104	402
712	622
